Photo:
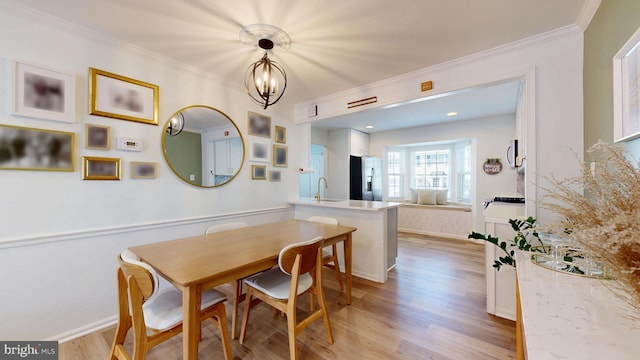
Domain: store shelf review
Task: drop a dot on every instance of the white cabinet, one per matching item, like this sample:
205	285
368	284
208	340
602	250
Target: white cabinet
501	284
228	155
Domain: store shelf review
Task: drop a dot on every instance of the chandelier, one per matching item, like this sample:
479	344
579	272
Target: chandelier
265	80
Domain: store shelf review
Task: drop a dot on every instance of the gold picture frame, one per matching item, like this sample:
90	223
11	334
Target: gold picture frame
280	155
124	98
100	168
97	137
259	172
23	148
143	170
281	134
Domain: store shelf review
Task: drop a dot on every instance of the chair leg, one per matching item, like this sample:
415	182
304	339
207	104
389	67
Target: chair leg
336	266
121	333
221	316
245	316
325	313
291	326
237	299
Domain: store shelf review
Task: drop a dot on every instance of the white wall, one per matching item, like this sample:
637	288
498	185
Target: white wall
59	235
551	65
490	136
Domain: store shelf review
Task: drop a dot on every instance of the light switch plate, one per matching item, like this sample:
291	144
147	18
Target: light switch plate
130	144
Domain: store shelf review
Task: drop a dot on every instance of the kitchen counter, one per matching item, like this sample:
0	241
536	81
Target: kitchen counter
347	204
566	316
375	243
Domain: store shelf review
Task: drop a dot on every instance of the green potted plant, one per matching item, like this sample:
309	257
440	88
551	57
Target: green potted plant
526	239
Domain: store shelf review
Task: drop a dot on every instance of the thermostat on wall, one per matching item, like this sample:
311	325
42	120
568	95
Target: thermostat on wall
131	144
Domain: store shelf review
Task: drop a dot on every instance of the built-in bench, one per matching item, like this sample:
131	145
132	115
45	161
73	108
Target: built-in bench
450	220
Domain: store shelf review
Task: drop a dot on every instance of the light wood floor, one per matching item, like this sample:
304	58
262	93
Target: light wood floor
432	307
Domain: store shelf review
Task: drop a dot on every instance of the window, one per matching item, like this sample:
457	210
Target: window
426	166
431	169
463	172
394	172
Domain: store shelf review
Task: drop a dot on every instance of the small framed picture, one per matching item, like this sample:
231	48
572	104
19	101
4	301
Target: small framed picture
42	93
259	172
100	168
259	125
143	170
281	134
274	175
98	137
24	148
122	98
259	151
280	155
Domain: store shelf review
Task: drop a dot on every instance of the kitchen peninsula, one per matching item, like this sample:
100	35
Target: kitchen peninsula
375	243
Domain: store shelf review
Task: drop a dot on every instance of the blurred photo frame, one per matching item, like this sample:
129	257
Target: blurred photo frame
123	98
259	151
274	175
259	125
259	172
281	134
23	148
280	155
98	137
43	93
143	170
100	168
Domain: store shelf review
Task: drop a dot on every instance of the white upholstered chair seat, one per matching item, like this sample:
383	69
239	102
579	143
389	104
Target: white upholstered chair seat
164	310
276	284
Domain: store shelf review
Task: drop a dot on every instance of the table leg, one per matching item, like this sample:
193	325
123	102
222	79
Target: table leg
191	298
347	266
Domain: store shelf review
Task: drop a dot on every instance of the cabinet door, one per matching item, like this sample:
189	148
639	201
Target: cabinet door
228	156
222	157
235	154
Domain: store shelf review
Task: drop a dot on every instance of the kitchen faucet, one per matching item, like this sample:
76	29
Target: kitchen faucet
326	186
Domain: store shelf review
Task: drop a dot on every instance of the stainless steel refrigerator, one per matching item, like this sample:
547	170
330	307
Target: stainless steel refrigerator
365	178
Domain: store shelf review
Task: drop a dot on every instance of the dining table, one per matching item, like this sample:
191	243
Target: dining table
198	263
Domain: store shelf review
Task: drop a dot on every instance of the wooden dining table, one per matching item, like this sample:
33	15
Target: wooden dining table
198	263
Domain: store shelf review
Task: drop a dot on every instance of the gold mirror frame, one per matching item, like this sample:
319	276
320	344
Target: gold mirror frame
194	123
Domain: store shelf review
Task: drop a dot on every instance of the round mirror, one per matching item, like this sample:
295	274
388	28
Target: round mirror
203	146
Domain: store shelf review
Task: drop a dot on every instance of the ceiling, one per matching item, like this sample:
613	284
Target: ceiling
336	44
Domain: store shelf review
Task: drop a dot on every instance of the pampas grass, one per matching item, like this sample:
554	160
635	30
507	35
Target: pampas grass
601	214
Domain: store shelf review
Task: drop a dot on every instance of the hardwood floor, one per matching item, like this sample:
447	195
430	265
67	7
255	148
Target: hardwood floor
432	307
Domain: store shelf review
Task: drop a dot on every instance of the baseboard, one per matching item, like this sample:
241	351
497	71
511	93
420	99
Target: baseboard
435	234
84	330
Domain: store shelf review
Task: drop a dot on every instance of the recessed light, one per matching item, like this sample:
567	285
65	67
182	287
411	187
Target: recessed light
452	113
369	126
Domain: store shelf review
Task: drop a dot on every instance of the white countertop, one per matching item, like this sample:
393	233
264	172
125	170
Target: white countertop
347	204
571	317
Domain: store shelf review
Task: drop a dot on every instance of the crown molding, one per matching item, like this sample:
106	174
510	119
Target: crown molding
40	17
559	33
587	13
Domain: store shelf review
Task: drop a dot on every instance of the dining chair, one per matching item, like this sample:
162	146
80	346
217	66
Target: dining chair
330	254
299	271
224	227
238	295
156	314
